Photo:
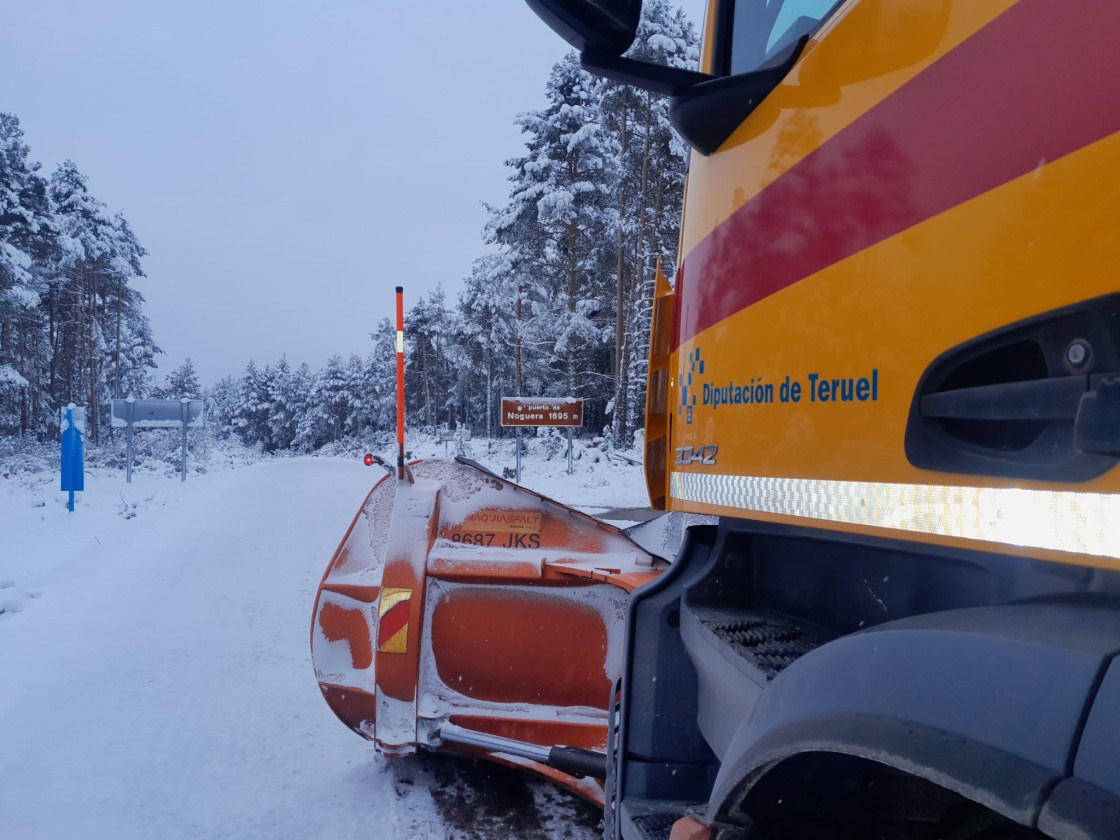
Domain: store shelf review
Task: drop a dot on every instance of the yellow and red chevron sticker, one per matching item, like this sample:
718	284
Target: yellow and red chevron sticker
392	620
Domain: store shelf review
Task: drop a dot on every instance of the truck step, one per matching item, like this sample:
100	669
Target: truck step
768	642
657	825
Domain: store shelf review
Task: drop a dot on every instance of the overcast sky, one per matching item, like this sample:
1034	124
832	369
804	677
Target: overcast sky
286	164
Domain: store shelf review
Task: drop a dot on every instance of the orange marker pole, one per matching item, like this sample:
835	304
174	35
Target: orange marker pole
400	382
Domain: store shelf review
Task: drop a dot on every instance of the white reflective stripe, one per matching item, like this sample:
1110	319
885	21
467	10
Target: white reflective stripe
1086	523
400	341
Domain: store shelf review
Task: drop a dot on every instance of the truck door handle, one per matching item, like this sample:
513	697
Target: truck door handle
1097	428
1035	399
1057	398
1092	402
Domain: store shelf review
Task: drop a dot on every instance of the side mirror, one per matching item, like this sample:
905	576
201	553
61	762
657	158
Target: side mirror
606	26
602	30
705	110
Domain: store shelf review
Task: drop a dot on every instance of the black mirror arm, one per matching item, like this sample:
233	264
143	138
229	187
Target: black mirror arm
706	114
659	78
705	110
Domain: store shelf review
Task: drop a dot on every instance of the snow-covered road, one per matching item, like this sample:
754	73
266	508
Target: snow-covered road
155	680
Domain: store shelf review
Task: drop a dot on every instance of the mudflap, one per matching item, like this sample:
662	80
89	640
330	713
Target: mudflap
464	613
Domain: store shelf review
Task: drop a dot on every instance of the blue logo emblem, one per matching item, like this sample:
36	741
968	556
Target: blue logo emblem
688	393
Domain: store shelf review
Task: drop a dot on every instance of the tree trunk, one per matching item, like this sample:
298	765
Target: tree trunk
117	347
91	413
517	342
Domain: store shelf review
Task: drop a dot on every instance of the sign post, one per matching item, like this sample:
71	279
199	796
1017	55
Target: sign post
400	383
564	412
184	405
129	410
73	424
156	414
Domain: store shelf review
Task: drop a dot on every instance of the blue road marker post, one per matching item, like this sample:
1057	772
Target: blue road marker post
73	473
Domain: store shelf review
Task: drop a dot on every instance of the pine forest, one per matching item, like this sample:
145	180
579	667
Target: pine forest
558	305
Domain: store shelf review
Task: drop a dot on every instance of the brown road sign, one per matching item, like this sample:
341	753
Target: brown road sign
542	411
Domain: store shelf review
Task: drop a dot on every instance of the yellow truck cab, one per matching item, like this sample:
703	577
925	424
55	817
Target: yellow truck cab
890	365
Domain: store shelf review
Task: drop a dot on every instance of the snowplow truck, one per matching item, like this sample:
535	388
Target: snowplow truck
889	371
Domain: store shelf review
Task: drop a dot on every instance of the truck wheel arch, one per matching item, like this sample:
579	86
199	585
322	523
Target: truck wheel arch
911	695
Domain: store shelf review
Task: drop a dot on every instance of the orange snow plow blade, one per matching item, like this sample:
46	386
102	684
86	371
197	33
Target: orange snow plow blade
464	613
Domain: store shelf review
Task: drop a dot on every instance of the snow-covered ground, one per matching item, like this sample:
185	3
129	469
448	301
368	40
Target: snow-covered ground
155	677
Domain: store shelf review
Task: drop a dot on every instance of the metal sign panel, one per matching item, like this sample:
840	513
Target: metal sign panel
72	416
166	414
73	424
542	411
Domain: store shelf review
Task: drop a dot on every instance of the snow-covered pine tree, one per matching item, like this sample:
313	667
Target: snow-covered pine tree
334	398
313	428
427	372
71	328
136	355
380	388
555	231
85	230
26	226
182	382
221	406
648	200
250	416
299	390
488	336
357	421
283	405
96	256
131	351
22	207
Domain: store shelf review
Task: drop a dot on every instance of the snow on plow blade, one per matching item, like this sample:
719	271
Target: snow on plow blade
464	613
